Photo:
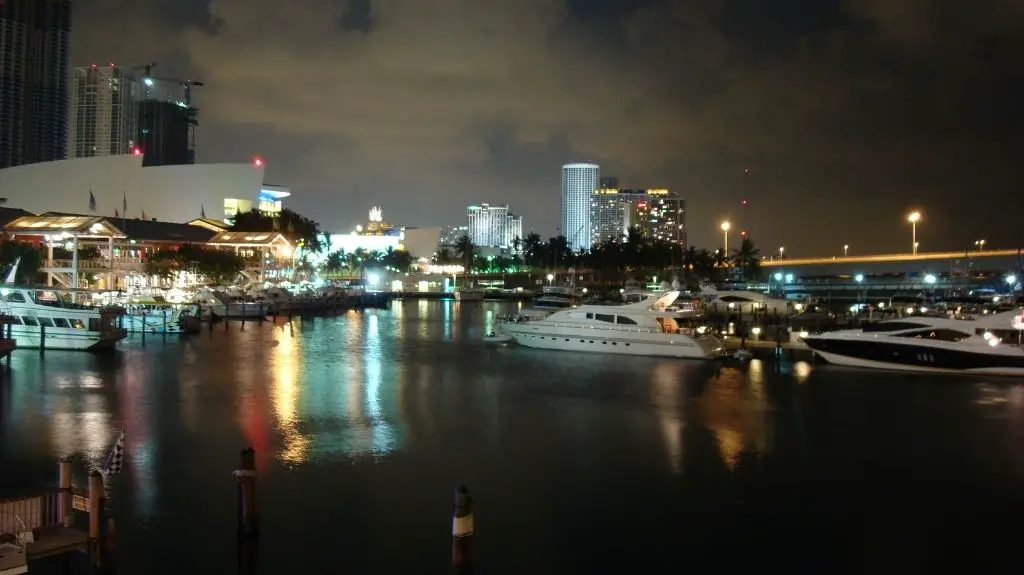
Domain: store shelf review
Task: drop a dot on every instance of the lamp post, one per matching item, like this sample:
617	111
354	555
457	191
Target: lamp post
782	251
980	244
846	250
725	233
913	218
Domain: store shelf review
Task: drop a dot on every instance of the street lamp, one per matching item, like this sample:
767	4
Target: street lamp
913	218
846	250
551	278
980	244
782	250
725	231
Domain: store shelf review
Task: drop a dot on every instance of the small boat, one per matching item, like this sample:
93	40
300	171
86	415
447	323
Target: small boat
742	355
469	294
497	338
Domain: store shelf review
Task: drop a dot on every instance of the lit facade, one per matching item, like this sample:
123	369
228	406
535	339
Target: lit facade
450	235
578	184
104	118
493	226
609	216
268	202
657	212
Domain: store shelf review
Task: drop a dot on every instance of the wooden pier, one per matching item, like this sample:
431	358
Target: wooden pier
44	525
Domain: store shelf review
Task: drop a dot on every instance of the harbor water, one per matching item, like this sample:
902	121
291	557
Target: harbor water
578	463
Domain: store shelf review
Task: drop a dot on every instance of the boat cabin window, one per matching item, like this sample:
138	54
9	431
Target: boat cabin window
734	299
16	297
76	323
45	322
29	320
60	322
937	334
624	320
892	326
601	317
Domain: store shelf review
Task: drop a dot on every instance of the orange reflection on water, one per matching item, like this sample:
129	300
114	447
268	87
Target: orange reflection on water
285	396
734	408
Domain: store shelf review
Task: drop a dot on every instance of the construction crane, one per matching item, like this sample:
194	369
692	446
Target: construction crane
187	86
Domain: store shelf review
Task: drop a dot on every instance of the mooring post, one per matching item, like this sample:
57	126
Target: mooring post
245	475
462	531
42	338
64	483
95	518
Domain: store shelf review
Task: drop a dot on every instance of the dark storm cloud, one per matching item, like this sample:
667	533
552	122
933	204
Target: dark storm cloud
846	112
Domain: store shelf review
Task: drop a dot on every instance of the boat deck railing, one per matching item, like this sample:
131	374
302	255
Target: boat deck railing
597	327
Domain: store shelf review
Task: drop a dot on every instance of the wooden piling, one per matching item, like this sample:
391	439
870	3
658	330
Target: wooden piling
462	531
96	543
64	483
42	338
245	475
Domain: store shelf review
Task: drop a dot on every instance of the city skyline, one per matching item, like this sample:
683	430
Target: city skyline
830	107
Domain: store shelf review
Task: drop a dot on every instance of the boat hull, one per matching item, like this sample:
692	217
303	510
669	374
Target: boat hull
621	343
897	356
66	338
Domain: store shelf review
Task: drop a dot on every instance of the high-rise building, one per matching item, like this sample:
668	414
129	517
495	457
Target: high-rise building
578	184
33	80
493	226
104	117
609	214
165	133
659	213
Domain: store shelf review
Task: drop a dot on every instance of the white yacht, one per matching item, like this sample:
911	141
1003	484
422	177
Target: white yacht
223	305
161	317
647	328
987	344
736	301
46	317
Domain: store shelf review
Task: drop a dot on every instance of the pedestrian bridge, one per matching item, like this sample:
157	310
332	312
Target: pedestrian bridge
937	263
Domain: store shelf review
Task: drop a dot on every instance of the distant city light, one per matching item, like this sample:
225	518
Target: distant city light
789	278
778	276
1011	279
858	278
136	152
372	279
929	279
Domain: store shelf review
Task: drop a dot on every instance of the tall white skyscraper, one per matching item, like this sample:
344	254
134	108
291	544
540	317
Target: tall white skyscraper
578	183
493	226
104	116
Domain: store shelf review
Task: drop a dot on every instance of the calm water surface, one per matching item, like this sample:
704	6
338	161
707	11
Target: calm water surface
579	463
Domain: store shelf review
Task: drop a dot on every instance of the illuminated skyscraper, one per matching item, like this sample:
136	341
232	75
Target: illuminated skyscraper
578	184
609	214
493	226
104	119
34	38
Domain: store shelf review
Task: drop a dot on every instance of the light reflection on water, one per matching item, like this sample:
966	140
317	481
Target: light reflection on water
395	407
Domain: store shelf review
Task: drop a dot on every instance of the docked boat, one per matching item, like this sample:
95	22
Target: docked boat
988	344
554	298
469	294
46	317
647	328
161	317
222	305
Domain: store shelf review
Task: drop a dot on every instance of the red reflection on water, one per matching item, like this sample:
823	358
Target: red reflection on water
254	427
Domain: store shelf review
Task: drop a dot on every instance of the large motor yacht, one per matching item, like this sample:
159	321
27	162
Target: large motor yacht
972	344
647	328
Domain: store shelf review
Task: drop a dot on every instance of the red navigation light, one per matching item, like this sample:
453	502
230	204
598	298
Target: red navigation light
136	152
92	65
744	202
257	162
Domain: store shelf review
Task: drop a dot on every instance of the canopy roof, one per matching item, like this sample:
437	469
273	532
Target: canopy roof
72	225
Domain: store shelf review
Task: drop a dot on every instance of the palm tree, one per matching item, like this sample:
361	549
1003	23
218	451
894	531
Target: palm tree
445	256
466	250
335	261
747	258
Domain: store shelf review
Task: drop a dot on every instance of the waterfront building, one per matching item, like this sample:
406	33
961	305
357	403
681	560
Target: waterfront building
659	213
124	244
578	184
493	226
375	235
269	202
34	79
104	118
167	193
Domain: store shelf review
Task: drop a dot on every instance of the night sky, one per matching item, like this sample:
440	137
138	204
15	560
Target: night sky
848	113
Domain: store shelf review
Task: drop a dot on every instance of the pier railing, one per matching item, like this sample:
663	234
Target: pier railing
30	513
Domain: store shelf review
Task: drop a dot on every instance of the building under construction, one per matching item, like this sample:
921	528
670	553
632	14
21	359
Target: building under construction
167	121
